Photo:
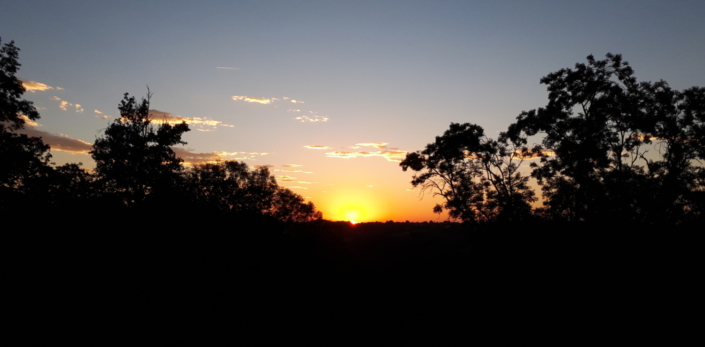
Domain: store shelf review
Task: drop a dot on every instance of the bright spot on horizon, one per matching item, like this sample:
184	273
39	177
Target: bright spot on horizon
352	216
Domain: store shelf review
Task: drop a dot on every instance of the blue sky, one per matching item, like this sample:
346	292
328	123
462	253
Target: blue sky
395	72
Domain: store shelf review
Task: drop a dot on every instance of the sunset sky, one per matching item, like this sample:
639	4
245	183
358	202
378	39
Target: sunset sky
330	94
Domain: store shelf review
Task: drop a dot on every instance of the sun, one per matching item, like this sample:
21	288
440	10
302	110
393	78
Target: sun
352	216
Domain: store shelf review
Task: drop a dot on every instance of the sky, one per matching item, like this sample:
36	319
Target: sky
329	94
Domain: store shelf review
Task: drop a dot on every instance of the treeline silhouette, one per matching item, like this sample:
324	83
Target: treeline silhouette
136	169
145	250
605	147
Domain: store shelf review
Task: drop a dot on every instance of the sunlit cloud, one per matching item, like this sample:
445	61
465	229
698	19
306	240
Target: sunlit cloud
251	99
263	166
305	182
32	86
285	178
227	68
292	165
28	121
299	171
297	187
64	104
529	155
59	142
317	147
59	88
378	145
312	119
395	156
293	110
191	158
166	117
79	109
409	190
296	101
98	112
55	98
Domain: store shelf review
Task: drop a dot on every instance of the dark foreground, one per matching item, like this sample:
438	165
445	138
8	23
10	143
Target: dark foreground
157	281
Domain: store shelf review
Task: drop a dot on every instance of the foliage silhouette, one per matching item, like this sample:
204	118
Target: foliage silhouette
23	158
134	157
477	177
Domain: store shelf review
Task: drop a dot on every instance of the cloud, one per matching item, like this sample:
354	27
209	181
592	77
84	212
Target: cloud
105	117
304	182
79	109
371	186
263	166
64	104
98	112
317	147
297	187
160	116
285	178
378	145
59	88
32	86
293	110
299	171
530	155
390	155
59	142
250	99
312	119
55	98
227	68
191	158
28	121
297	101
291	165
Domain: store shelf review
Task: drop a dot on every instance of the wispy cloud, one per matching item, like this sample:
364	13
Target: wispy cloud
160	116
264	101
299	171
285	178
317	147
297	187
55	98
304	182
58	142
390	155
28	121
98	112
191	158
79	109
378	145
296	101
227	68
292	165
33	86
312	119
293	110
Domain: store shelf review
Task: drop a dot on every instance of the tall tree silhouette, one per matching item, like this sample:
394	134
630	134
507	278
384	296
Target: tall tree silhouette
593	126
23	158
134	157
477	177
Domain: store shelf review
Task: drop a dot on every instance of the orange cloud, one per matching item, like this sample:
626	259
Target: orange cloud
250	99
166	117
299	171
55	98
378	145
396	156
285	178
291	165
28	121
191	158
32	86
59	142
316	147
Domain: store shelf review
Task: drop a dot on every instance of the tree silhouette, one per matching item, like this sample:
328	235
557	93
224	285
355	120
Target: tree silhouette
593	126
23	158
134	157
477	177
290	207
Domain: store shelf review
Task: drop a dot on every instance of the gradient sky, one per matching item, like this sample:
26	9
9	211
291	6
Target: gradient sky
382	77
